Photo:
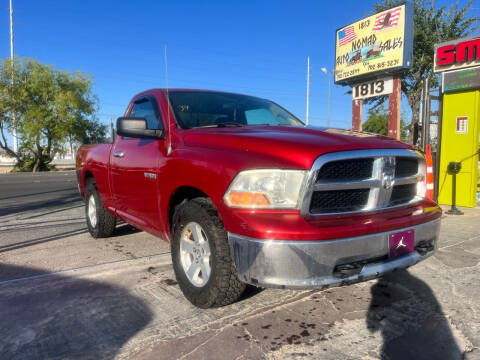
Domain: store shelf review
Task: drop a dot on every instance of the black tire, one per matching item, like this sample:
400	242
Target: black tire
223	286
105	221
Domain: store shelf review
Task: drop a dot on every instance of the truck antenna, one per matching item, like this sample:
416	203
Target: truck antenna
168	103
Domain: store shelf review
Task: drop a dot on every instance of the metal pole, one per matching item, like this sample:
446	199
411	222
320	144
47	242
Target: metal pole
454	210
308	91
454	191
439	147
11	30
112	132
425	113
422	113
15	139
453	169
329	96
428	113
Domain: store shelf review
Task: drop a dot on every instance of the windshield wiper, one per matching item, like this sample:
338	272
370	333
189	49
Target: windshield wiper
221	125
230	124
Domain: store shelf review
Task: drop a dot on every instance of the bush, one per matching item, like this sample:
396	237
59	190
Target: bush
27	164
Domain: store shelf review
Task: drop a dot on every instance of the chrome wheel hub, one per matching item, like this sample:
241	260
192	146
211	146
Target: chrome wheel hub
195	254
92	211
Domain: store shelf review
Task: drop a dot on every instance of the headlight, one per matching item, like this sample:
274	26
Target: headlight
266	189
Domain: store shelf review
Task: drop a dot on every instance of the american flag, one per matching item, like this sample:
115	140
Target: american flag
346	35
388	19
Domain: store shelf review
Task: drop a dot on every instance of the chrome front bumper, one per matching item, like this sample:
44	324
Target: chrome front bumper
325	263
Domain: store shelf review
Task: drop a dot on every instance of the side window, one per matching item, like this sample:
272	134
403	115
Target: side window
144	108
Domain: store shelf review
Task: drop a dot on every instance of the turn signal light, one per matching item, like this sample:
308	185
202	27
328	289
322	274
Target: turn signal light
239	198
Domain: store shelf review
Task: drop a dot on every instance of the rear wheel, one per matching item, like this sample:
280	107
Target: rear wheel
201	256
100	222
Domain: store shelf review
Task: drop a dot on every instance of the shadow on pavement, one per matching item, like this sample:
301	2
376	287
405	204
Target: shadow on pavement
249	292
19	207
40	240
410	319
56	191
81	205
58	316
124	229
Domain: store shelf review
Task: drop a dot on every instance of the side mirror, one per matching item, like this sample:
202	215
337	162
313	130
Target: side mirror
136	127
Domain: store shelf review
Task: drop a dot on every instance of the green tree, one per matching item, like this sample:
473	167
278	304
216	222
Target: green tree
377	122
431	25
12	91
51	107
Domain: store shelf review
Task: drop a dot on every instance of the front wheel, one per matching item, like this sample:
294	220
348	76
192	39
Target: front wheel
201	256
100	222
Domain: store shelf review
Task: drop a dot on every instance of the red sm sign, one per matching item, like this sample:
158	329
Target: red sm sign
457	54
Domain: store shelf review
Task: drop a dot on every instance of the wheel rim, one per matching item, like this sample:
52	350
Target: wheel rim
92	211
195	254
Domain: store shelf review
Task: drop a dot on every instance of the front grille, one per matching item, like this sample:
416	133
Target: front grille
405	166
363	180
402	194
338	201
343	170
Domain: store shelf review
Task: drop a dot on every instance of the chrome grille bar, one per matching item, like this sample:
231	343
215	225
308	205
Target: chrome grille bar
381	183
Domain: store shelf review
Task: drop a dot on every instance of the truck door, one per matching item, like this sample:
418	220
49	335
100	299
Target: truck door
134	169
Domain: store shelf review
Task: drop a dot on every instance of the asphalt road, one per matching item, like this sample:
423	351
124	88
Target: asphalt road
42	225
66	295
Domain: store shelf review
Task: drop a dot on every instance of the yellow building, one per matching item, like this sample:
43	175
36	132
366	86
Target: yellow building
458	62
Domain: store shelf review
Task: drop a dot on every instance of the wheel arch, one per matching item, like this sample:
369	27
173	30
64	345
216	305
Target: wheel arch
179	196
86	176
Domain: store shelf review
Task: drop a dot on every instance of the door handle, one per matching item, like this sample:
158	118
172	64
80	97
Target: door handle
119	154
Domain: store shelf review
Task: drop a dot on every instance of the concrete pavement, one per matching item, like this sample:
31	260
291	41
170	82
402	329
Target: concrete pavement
65	295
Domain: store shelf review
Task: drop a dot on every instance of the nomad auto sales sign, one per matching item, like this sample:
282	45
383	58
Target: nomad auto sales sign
381	43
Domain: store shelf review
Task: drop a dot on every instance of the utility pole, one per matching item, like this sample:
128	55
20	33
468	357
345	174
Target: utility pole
112	132
308	90
328	73
15	140
329	98
11	30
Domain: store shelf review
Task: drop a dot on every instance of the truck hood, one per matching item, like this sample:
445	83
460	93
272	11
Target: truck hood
292	146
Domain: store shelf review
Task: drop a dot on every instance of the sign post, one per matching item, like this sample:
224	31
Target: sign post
394	115
357	111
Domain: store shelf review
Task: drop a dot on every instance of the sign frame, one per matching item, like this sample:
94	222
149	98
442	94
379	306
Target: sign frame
407	50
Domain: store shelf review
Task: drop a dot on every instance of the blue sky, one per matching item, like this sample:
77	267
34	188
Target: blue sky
253	47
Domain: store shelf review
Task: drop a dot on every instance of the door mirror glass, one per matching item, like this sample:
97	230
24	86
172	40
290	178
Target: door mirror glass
136	127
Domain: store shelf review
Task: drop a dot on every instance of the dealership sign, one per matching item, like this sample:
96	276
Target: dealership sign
457	54
381	43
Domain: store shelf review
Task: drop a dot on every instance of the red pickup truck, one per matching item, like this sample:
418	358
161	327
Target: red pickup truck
246	193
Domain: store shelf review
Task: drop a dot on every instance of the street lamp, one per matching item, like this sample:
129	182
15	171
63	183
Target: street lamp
328	73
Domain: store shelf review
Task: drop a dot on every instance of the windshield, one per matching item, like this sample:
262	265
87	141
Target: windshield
205	109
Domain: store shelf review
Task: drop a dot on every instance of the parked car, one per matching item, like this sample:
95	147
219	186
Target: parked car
247	194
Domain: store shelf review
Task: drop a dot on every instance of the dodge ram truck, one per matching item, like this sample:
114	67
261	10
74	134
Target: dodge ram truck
247	194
